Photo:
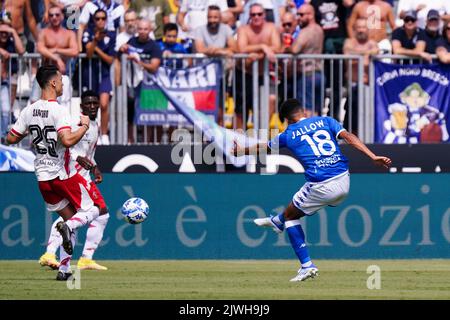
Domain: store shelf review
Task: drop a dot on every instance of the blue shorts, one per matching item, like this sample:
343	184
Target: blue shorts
104	86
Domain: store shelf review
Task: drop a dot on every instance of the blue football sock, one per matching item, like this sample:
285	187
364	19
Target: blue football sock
297	238
279	219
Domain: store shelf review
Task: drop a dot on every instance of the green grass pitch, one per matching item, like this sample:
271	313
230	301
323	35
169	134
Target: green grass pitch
230	279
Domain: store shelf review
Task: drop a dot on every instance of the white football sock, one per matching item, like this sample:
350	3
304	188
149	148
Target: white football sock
55	239
65	257
94	235
82	218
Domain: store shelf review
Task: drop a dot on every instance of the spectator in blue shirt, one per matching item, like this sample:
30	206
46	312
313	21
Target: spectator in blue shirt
170	44
143	53
96	75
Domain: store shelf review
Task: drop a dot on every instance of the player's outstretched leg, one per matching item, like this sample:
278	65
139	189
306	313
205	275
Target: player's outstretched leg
94	236
297	239
64	271
54	241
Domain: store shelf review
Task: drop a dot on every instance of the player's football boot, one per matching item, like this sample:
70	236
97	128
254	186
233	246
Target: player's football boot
268	222
89	264
306	273
65	232
49	259
63	276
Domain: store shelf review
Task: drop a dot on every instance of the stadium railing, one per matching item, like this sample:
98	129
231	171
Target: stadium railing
336	95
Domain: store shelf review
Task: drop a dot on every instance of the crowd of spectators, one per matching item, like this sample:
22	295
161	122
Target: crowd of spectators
149	32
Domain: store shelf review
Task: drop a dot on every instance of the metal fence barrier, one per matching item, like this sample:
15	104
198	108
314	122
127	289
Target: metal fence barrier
265	84
340	86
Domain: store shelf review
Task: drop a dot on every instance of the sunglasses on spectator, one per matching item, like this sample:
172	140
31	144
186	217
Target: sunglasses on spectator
408	20
100	18
301	14
287	24
259	14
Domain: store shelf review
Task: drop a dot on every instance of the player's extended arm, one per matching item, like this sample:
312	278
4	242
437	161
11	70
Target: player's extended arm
354	141
239	151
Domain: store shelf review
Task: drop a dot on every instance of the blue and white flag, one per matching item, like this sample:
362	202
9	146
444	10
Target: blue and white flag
16	159
412	103
222	138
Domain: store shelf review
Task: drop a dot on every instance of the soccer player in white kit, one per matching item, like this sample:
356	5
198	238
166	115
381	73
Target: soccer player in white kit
313	141
62	188
83	153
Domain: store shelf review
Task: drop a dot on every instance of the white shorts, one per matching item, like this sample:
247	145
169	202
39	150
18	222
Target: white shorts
314	196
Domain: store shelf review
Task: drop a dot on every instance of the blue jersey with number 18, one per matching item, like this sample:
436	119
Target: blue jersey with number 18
313	141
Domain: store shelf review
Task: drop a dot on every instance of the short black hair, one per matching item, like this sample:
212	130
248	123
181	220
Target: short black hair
214	7
89	93
170	27
288	108
45	73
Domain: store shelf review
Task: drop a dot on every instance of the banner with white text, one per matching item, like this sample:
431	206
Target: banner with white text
197	87
412	103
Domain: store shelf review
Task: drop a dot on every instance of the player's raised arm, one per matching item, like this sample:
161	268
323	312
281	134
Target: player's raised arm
239	151
354	141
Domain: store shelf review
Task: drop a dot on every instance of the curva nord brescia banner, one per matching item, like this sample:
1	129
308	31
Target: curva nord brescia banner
412	103
197	87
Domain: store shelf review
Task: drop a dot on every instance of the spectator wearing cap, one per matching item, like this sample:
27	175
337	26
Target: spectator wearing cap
409	40
431	33
443	45
422	7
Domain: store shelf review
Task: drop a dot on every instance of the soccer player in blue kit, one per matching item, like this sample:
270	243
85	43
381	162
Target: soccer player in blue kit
313	141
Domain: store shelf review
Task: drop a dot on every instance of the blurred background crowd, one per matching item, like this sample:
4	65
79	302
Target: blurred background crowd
151	32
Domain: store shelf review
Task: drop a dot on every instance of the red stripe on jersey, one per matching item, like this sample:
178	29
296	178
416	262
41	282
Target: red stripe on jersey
67	160
63	128
17	134
77	219
52	100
